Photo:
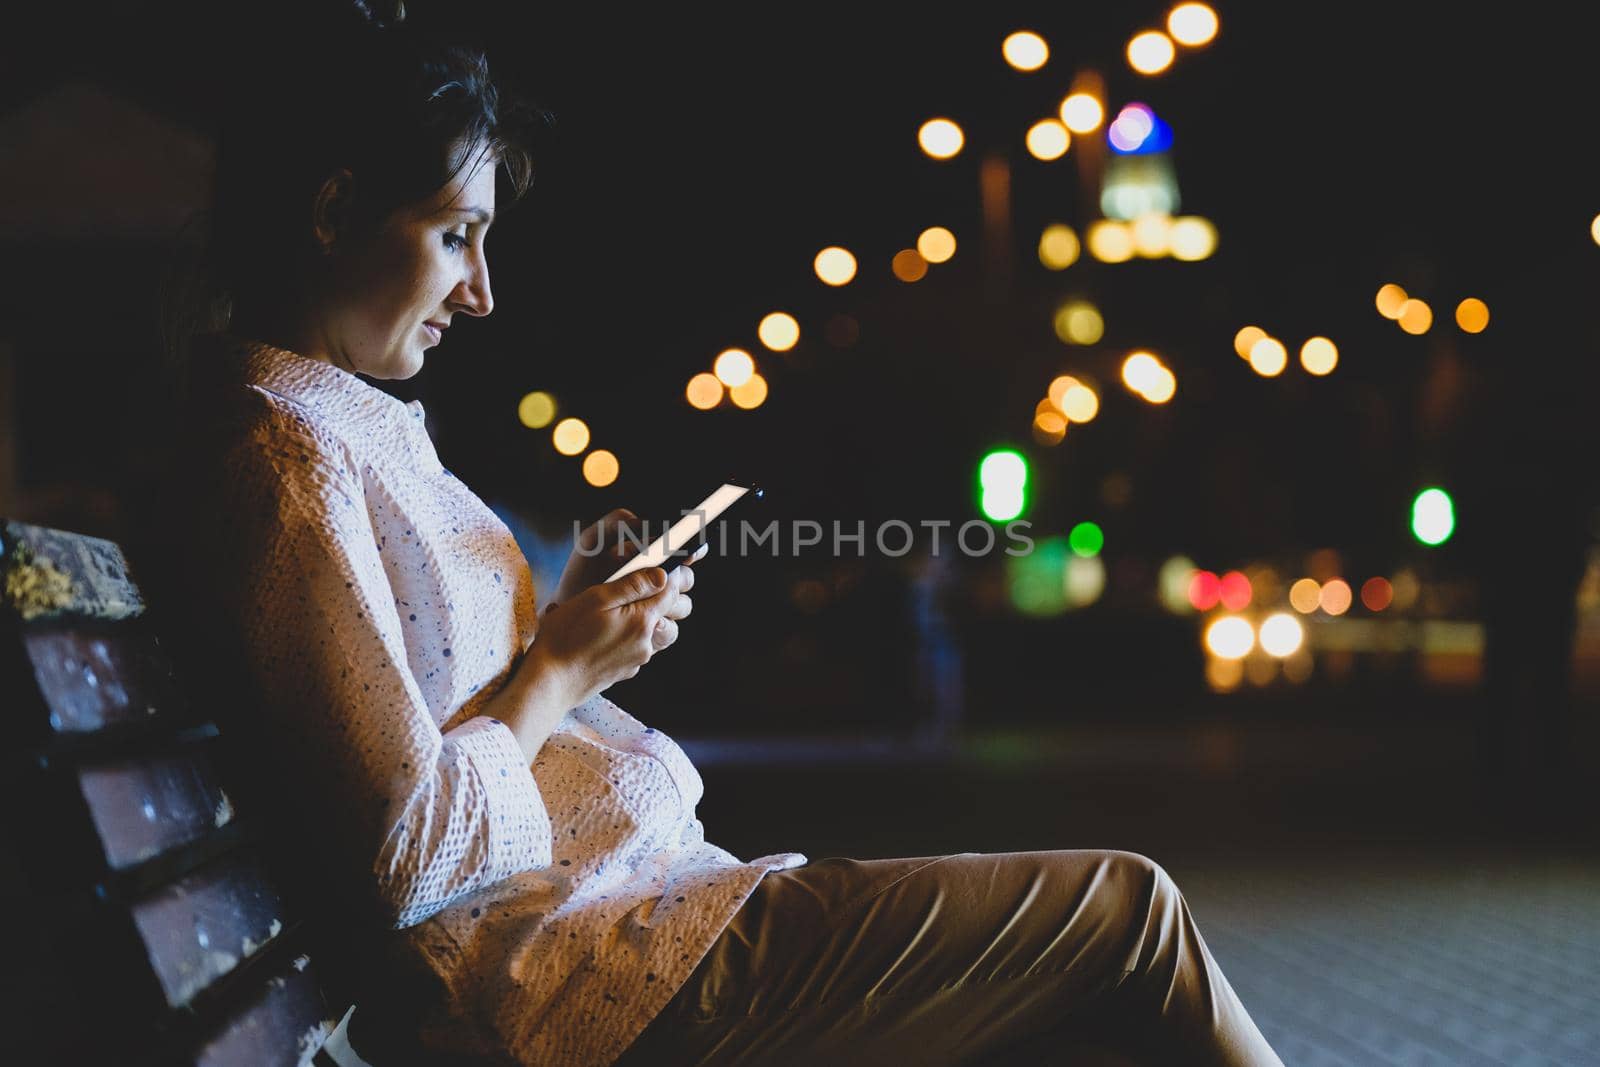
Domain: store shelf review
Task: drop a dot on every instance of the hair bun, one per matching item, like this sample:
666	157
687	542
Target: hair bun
381	13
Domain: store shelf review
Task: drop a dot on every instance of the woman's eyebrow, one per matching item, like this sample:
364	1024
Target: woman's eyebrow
480	214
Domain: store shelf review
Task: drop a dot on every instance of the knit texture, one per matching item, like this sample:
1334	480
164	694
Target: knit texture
378	603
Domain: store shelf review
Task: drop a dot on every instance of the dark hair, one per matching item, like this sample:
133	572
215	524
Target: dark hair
348	89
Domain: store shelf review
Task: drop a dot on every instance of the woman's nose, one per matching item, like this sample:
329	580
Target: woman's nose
473	295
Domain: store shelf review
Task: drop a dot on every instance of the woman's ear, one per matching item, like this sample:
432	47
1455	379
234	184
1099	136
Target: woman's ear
330	212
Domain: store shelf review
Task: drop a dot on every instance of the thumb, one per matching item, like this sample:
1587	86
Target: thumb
630	587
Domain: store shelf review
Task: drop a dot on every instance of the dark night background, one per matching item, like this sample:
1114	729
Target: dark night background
702	155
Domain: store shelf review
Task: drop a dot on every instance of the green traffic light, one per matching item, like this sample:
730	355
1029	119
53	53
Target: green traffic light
1433	516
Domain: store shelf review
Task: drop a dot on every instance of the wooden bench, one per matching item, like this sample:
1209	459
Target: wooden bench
150	922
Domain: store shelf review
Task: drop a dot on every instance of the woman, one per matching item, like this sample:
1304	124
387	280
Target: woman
531	849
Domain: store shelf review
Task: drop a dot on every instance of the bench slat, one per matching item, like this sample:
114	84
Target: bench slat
202	926
61	572
284	1020
93	675
144	807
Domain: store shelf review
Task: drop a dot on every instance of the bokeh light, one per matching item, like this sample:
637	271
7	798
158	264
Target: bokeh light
1086	539
749	394
1048	140
1162	388
1192	238
1406	590
1078	322
570	436
908	265
1391	298
1472	315
1080	404
1132	126
1230	637
1037	581
536	410
940	138
1335	596
1003	479
1173	583
1376	594
1049	427
1205	589
1224	675
779	331
1415	317
1319	356
835	265
1150	52
1110	241
1233	589
1152	236
936	244
1433	516
1058	247
734	367
600	468
1305	596
1084	580
1056	394
1192	24
1246	338
704	391
1140	371
1268	357
1281	635
1025	50
1082	113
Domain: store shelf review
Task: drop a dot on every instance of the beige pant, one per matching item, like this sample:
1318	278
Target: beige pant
1020	957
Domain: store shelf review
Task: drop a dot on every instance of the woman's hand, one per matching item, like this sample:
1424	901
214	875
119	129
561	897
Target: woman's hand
589	563
607	632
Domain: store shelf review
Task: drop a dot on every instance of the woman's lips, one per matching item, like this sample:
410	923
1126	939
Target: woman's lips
438	334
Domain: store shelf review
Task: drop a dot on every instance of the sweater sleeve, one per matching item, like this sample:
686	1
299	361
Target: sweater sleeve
429	816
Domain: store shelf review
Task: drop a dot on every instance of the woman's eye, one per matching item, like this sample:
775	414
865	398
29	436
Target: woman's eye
455	241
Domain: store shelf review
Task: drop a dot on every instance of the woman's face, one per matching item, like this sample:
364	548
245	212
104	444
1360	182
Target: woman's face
394	293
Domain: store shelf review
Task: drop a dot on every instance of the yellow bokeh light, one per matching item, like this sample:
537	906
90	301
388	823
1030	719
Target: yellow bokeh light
752	393
779	331
1082	113
1192	24
704	391
1152	236
1025	50
1049	428
1268	357
940	138
1246	338
536	410
1594	228
1048	139
1056	395
835	265
1224	675
1472	315
1415	317
1058	247
1163	385
1230	637
1319	356
1281	635
908	265
1390	299
1305	596
734	367
1335	597
1192	238
1110	241
1140	371
936	244
600	468
1150	52
1045	407
1078	322
1079	403
570	436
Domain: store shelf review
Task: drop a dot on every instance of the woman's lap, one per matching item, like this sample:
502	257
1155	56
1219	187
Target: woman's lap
943	959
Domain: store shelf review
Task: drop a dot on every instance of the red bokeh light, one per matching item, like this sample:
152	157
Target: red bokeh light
1377	593
1235	591
1204	590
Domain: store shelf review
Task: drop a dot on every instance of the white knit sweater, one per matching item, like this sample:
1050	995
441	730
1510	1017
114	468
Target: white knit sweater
380	603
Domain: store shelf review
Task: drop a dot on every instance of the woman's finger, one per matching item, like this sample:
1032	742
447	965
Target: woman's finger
679	608
665	633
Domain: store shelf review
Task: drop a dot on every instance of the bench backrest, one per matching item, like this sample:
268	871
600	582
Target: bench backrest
151	925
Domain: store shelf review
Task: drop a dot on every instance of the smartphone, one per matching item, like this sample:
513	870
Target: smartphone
684	537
